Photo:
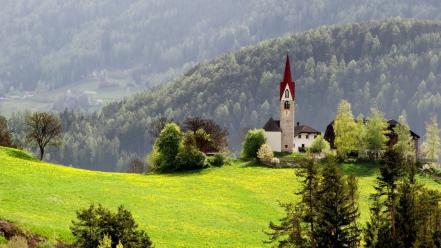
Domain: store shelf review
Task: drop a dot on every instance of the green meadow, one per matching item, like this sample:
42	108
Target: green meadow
218	207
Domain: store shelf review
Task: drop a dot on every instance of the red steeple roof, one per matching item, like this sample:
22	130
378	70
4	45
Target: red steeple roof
287	80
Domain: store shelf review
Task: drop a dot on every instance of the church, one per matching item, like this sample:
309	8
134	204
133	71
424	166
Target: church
284	135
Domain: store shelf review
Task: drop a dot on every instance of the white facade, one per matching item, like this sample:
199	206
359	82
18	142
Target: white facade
304	140
274	139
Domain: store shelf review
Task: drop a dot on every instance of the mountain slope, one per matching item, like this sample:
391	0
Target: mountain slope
394	65
105	50
221	207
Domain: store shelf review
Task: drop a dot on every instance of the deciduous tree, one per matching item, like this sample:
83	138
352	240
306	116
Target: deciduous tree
43	129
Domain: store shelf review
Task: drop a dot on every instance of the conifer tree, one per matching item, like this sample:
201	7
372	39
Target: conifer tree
406	219
432	142
345	130
336	215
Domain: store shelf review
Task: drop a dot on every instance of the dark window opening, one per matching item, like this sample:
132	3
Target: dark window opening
307	136
286	146
286	93
300	136
287	105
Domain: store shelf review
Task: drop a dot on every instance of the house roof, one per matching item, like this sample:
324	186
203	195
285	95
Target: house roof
304	129
287	80
272	126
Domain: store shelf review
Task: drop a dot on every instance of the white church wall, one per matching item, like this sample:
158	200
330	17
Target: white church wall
304	139
274	139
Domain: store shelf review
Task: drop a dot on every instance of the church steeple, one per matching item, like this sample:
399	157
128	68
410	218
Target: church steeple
287	80
287	108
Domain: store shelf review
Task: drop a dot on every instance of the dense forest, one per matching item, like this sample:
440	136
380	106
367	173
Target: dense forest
47	44
393	65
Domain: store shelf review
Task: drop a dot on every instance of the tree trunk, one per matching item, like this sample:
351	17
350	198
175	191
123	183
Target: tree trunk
41	153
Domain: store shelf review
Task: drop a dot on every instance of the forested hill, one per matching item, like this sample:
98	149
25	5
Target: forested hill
107	49
394	65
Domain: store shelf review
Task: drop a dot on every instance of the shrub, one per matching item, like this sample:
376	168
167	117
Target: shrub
217	160
319	145
254	139
189	158
265	154
275	161
95	223
17	242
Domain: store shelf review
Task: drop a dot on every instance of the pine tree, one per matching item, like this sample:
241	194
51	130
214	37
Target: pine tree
406	219
432	142
336	215
297	227
371	232
354	229
310	174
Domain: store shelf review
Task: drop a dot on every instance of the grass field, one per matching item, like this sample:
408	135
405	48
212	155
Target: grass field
218	207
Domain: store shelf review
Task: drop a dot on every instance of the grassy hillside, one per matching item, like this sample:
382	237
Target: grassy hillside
228	206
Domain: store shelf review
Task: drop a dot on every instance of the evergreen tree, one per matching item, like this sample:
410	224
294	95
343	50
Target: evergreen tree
406	219
336	214
432	142
376	131
298	227
345	130
375	223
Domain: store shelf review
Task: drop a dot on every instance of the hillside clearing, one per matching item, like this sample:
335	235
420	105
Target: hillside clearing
221	207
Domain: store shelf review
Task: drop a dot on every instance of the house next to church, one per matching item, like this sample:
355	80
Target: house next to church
282	135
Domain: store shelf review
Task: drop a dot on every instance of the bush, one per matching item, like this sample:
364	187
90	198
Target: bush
275	161
254	139
319	145
17	242
189	158
217	160
265	153
95	223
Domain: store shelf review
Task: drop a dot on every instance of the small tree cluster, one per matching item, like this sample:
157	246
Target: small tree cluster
96	225
254	139
319	145
327	213
5	133
403	213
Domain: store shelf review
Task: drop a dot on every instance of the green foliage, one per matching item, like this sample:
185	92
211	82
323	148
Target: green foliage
376	133
106	242
432	141
95	223
345	129
190	158
254	139
217	160
3	240
5	133
319	145
337	212
168	145
405	145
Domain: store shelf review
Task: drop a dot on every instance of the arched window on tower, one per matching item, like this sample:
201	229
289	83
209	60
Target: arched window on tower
286	104
286	93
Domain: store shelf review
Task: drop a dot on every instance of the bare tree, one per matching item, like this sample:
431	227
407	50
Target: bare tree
210	137
136	166
43	129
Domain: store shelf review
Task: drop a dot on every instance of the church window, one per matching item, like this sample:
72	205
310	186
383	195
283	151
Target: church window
287	105
300	136
286	93
307	136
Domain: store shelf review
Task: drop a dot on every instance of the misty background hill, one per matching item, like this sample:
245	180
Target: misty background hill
393	65
83	54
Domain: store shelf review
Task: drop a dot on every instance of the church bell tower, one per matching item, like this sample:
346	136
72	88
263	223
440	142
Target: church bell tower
287	108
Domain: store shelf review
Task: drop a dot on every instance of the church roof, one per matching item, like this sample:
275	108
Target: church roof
287	80
272	126
304	129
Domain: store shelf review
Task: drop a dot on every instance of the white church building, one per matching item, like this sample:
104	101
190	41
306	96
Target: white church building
282	135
